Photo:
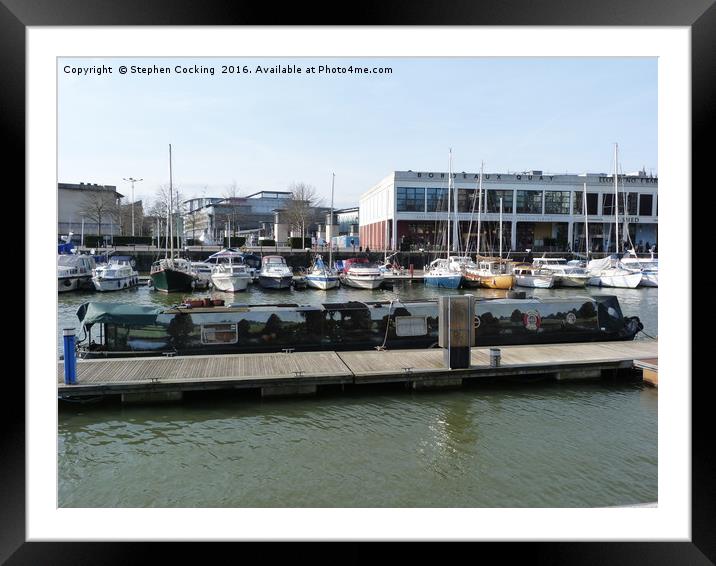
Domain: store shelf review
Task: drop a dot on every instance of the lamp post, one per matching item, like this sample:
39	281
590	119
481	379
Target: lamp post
132	180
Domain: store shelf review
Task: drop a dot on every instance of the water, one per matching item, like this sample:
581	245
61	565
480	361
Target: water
511	445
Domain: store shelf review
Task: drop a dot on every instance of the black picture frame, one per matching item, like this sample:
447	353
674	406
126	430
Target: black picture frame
17	15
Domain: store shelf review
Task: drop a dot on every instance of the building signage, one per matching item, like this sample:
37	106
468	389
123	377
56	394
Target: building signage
626	179
488	176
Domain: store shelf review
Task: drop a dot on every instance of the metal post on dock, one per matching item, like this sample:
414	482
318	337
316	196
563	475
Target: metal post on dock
70	359
456	329
495	357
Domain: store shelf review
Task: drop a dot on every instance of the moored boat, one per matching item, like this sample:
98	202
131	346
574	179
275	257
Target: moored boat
172	275
527	275
441	274
128	330
321	276
117	274
360	273
564	275
202	271
610	272
275	273
74	272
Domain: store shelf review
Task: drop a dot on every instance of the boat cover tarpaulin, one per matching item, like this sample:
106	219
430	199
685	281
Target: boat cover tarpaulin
117	313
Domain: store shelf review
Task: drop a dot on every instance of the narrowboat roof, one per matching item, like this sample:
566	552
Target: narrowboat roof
117	313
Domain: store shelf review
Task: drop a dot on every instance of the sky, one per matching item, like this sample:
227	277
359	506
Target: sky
263	131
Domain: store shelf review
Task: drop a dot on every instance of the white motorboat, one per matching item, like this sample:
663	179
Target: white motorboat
358	272
527	275
74	271
202	270
117	274
610	272
275	273
565	275
230	277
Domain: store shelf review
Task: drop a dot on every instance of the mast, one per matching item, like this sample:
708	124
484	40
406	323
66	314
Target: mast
479	210
586	224
472	213
616	200
330	242
500	227
171	205
456	223
447	248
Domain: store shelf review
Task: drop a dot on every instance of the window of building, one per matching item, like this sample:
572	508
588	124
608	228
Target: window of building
529	202
556	202
632	200
645	203
608	204
219	334
467	200
578	202
410	199
437	199
493	201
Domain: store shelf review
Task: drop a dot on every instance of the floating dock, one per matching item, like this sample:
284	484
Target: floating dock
299	373
650	370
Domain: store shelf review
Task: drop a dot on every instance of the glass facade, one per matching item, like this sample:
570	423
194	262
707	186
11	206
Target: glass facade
631	207
529	202
608	204
493	201
437	199
556	202
467	200
410	199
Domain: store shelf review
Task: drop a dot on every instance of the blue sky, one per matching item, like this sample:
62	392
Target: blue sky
264	132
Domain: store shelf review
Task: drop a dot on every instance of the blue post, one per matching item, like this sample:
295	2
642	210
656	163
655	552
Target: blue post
70	359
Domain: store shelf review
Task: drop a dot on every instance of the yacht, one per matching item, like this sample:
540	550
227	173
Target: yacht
74	271
527	275
230	275
565	275
491	273
172	275
649	267
610	272
275	273
117	274
359	272
442	273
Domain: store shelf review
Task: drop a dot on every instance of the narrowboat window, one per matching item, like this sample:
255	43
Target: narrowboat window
411	326
219	334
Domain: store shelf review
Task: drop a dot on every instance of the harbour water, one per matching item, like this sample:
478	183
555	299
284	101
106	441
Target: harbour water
545	444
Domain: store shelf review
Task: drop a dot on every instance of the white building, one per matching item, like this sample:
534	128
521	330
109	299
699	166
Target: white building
82	206
540	212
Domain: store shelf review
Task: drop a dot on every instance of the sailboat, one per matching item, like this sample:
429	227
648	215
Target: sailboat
488	272
322	276
171	274
441	272
610	271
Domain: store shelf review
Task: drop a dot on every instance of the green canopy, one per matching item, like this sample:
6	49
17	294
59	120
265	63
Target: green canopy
117	313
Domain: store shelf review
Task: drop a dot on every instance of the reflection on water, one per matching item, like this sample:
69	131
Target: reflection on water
521	445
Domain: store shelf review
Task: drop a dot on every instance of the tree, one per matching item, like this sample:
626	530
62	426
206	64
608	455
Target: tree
160	207
98	206
300	209
233	205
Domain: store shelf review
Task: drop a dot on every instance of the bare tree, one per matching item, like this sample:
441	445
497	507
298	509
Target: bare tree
98	206
161	204
233	207
300	207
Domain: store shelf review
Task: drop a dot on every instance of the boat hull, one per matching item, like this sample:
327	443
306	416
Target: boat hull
443	282
505	282
268	282
362	282
570	281
115	284
535	282
230	283
322	283
649	280
172	281
74	283
630	281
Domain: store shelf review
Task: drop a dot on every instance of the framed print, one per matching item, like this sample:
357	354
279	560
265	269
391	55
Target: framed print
221	111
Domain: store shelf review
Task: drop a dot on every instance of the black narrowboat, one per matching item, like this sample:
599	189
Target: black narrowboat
205	328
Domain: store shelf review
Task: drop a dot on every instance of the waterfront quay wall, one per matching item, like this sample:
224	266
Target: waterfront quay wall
145	255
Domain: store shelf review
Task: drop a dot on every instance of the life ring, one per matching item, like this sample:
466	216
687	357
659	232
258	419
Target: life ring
531	320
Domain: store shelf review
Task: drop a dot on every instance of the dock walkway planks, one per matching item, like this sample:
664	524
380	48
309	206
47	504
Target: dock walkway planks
256	370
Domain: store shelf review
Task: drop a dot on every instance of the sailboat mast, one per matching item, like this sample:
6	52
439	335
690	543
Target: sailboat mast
586	224
500	227
330	242
456	223
616	200
479	209
171	205
447	248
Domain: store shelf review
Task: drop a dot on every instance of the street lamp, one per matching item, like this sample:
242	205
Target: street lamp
132	180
